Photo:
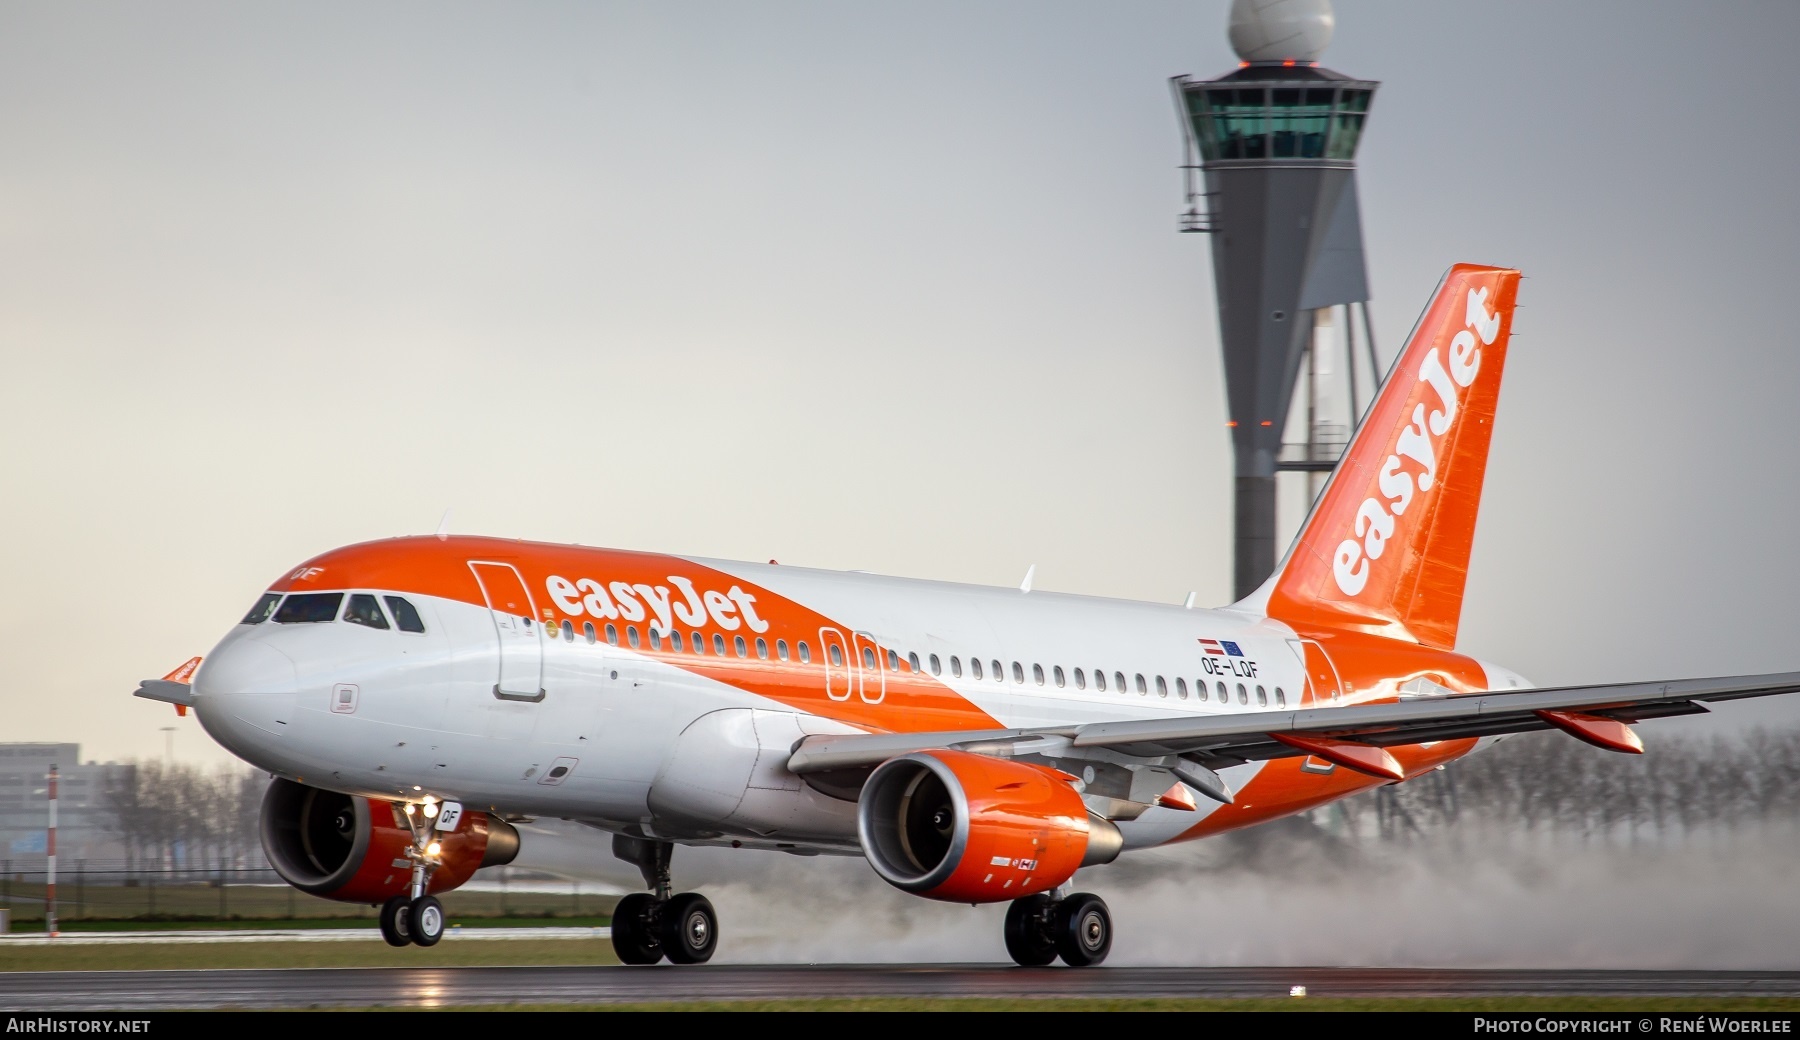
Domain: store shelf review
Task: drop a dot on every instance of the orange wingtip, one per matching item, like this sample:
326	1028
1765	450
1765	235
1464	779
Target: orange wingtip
1597	730
184	674
1177	797
1364	758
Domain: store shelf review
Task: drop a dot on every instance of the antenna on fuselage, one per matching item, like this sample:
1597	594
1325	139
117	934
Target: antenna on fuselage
1030	573
443	531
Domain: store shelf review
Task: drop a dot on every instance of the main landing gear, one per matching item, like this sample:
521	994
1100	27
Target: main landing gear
416	918
1041	928
648	926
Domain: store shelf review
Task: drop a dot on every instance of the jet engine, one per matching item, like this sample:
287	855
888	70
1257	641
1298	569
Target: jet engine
968	828
351	848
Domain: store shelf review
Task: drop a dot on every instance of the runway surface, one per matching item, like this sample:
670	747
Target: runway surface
427	987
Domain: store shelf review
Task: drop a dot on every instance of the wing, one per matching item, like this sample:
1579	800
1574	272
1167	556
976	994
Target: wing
1351	736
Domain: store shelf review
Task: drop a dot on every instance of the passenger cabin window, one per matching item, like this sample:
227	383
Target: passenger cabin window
568	630
1099	680
1280	698
363	610
955	667
1224	698
655	638
781	650
1243	697
737	643
406	615
697	641
1080	680
631	636
999	672
893	661
762	648
1162	688
805	652
1200	690
587	632
1018	673
937	667
676	643
1140	684
265	605
1262	697
1181	687
868	655
718	645
309	608
974	666
1058	673
1037	674
912	661
1119	681
612	635
837	656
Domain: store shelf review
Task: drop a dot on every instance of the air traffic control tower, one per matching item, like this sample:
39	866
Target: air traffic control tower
1271	177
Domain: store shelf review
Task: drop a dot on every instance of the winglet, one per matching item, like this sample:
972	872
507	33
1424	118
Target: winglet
175	688
185	673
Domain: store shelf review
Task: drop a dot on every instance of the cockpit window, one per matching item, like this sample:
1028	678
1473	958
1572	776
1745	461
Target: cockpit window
264	606
406	615
309	608
363	610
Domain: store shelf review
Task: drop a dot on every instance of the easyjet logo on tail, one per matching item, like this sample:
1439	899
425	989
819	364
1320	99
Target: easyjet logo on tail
1411	467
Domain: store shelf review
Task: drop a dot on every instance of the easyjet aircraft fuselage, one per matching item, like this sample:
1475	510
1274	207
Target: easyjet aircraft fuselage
552	680
974	744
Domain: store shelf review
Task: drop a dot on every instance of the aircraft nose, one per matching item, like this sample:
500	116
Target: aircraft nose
245	669
244	694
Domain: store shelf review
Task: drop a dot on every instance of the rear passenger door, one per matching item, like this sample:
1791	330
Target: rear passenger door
518	636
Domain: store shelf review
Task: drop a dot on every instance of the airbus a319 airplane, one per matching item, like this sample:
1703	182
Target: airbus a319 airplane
976	745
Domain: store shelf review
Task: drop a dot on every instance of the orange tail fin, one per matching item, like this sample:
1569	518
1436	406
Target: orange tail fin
1386	549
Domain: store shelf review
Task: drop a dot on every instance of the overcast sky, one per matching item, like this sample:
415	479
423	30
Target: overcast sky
882	286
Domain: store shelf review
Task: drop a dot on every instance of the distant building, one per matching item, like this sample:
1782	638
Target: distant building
84	826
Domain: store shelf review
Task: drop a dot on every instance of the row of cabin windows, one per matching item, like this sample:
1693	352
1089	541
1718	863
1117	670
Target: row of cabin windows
318	607
676	642
998	672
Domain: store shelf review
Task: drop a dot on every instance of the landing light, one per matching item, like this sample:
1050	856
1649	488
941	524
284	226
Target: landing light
409	808
433	849
431	810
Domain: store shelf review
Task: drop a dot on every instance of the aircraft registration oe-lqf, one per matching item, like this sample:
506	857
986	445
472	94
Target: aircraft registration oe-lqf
975	744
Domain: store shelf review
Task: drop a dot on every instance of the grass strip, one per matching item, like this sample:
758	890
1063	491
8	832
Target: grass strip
1620	1005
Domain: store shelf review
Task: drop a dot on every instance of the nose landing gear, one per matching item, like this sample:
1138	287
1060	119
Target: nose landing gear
416	918
1041	928
648	926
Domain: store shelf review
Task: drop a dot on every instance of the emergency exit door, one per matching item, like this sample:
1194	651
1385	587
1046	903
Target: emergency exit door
519	638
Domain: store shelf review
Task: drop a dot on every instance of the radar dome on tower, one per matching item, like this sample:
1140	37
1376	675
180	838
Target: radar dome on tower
1281	30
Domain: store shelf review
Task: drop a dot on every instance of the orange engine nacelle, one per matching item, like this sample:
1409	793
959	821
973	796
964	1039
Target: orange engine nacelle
967	828
353	849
